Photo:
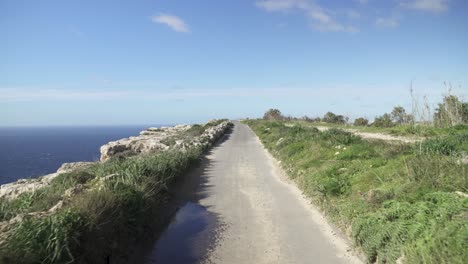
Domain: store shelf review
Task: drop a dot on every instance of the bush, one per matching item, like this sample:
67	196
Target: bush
439	146
383	121
451	112
339	136
437	172
400	227
330	117
400	116
273	114
361	121
448	145
333	182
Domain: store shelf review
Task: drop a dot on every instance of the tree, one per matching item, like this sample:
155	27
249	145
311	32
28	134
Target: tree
399	116
383	121
273	114
311	119
451	112
361	121
330	117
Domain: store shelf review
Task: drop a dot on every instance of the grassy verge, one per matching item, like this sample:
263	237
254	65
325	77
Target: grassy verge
394	201
419	130
113	205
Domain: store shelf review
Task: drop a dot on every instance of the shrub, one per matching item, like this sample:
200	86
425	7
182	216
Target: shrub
441	146
383	121
400	116
273	114
311	119
399	227
437	172
339	136
330	117
361	121
451	112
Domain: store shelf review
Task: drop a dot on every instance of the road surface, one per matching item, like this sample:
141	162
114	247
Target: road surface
264	217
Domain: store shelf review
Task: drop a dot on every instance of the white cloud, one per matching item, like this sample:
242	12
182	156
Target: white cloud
320	18
321	21
171	21
387	22
281	5
435	6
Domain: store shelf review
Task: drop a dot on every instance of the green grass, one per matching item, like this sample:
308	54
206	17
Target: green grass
419	130
44	198
84	230
391	199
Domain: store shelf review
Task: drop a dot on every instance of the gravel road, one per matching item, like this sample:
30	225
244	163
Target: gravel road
265	217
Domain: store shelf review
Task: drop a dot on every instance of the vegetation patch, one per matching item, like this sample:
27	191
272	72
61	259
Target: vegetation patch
104	210
396	201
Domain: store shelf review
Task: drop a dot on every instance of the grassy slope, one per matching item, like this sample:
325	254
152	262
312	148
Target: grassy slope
391	199
84	230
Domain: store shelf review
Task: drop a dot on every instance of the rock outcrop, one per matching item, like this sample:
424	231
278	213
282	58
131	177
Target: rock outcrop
71	166
14	189
149	140
159	139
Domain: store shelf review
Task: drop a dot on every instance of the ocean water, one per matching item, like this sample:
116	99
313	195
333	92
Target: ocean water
26	152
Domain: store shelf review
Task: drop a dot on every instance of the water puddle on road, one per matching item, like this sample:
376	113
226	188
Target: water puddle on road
187	237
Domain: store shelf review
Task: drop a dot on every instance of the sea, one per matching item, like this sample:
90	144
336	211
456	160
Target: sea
28	152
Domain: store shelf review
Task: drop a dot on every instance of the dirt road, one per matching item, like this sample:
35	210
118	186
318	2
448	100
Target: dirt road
267	220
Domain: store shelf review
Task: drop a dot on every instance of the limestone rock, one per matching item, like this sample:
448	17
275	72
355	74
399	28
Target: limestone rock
149	140
12	190
71	166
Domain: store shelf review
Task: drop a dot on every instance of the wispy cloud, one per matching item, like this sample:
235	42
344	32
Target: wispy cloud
320	19
435	6
362	2
352	14
282	5
388	22
174	22
28	94
51	94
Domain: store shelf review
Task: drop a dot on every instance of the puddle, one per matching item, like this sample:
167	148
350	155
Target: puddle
187	237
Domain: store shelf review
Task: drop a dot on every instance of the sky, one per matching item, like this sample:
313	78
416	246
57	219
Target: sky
176	61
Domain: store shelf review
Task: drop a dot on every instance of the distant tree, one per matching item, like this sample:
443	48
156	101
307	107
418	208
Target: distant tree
311	119
361	121
330	117
316	119
399	116
451	112
383	121
273	114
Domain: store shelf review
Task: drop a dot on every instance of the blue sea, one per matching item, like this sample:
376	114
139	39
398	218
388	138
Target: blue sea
26	152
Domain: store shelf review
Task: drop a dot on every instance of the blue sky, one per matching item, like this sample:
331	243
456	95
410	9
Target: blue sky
142	62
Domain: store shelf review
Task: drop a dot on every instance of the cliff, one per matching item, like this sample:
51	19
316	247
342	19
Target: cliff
151	140
72	215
